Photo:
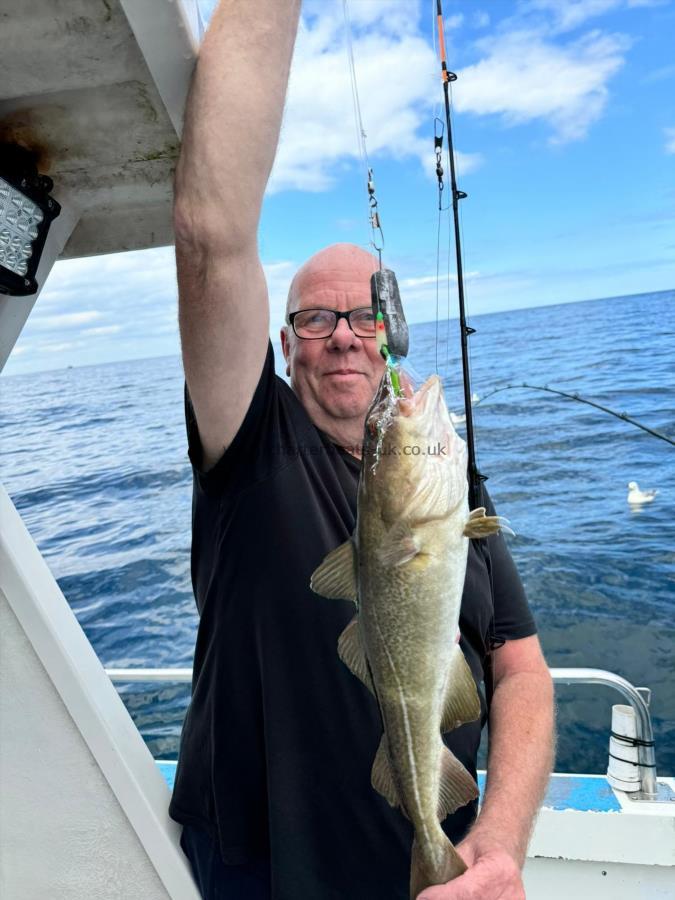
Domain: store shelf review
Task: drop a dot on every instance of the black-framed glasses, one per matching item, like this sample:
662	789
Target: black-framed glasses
314	324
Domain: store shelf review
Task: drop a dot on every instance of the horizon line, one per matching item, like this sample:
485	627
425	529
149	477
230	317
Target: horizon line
134	359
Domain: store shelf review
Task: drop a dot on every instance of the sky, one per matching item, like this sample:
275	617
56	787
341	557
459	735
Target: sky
564	127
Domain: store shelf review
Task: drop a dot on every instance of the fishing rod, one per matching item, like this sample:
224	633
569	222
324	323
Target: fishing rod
623	416
475	477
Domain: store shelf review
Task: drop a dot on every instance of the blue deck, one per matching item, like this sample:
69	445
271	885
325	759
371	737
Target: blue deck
168	770
584	793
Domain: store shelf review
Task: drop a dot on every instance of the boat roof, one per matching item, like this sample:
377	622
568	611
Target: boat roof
96	91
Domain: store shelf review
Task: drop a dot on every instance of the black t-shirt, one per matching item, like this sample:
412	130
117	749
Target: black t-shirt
280	737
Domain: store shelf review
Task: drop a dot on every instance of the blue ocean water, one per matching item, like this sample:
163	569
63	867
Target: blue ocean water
95	460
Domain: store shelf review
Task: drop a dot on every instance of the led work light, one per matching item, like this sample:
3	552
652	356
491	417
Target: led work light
26	213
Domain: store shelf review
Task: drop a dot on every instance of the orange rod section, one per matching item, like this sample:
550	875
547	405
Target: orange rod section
441	46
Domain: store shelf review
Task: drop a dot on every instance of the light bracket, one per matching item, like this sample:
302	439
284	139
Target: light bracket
26	214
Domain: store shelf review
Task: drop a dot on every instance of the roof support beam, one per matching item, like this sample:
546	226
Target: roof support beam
167	37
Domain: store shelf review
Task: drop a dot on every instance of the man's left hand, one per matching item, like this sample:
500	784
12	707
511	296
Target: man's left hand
492	874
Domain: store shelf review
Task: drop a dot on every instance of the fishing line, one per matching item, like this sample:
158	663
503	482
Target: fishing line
391	329
462	245
356	105
439	130
447	300
438	150
447	285
461	228
623	416
438	266
201	25
377	235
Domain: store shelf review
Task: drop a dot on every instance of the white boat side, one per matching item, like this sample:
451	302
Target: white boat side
97	97
84	810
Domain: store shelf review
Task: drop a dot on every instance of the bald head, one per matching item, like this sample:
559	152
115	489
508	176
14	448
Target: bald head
335	377
338	269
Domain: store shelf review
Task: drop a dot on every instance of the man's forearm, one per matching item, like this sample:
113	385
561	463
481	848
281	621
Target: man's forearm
232	119
520	759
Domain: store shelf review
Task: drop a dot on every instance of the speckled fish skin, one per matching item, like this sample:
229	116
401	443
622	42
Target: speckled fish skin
409	611
405	568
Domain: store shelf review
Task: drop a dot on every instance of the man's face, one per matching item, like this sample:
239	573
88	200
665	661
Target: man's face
335	378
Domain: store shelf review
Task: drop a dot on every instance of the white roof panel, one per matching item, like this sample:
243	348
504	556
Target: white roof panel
96	90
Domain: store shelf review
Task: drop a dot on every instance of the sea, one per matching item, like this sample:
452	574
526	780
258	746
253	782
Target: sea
95	460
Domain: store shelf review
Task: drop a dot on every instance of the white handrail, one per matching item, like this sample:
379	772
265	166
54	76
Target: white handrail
646	755
149	675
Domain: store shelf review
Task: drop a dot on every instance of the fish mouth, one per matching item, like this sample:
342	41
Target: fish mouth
423	410
424	400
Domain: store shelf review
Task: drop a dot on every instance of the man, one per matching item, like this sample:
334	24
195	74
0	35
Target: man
273	783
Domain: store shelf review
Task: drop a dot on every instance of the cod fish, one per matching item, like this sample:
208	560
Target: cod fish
404	568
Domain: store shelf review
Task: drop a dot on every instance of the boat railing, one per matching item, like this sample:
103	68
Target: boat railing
126	676
638	698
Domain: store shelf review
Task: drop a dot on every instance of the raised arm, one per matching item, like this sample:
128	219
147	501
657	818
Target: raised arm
232	123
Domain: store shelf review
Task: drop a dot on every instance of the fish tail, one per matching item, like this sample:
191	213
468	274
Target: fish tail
424	871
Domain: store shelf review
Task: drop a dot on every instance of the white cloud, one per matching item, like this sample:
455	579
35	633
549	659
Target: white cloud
278	275
481	289
453	21
136	315
570	14
388	16
660	74
425	280
524	77
60	347
93	310
522	74
104	329
65	320
397	81
319	134
670	139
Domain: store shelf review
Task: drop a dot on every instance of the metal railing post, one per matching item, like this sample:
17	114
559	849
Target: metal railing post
646	755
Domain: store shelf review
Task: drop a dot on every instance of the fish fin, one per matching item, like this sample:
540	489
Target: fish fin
401	546
352	654
423	873
461	703
382	778
456	787
479	525
336	576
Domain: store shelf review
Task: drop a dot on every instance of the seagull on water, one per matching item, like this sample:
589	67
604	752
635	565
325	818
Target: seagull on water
636	497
